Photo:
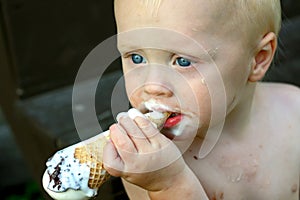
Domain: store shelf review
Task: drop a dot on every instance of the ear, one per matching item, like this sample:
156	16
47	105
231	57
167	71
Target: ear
263	58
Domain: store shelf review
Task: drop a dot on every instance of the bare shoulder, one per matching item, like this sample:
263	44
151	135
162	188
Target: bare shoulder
282	103
281	95
134	192
280	87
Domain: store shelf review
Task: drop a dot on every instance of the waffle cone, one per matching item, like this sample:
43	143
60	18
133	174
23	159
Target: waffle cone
161	121
91	154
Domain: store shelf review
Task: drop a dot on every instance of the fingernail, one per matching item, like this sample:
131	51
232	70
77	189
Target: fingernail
120	115
133	113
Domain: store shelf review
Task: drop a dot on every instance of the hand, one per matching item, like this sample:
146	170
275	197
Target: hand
139	153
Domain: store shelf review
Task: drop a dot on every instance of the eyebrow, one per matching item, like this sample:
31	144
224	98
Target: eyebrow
212	52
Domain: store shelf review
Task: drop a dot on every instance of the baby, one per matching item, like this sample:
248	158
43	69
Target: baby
229	136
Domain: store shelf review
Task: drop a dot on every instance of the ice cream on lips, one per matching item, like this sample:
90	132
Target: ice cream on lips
77	171
173	120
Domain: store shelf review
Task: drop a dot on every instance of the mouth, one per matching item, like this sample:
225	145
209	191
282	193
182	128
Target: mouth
173	120
171	127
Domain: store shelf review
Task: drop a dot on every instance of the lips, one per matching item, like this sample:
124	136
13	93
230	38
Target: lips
173	120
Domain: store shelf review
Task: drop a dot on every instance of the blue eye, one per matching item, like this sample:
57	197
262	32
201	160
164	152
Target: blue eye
137	59
183	62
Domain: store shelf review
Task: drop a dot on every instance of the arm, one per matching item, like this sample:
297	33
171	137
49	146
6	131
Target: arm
134	192
184	186
184	189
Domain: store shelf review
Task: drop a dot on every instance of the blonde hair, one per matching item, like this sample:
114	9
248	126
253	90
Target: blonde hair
262	15
153	5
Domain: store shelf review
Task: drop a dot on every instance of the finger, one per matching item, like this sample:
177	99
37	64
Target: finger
136	135
133	113
131	128
147	127
126	121
156	139
120	115
121	140
111	160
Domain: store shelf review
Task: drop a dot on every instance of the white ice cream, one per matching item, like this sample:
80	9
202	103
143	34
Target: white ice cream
154	106
66	178
69	194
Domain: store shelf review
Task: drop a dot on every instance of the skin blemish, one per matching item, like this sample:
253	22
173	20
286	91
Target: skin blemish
195	29
294	188
222	195
214	197
195	157
203	81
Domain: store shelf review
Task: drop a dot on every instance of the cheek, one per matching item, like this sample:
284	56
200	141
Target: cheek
205	104
235	73
134	90
213	95
198	98
134	81
237	80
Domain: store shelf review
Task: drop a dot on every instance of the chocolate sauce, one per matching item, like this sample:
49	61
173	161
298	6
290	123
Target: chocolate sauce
55	175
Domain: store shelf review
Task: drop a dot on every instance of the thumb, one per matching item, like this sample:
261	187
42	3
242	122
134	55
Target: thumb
111	160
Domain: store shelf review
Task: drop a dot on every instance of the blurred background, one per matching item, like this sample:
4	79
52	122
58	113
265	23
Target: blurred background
42	45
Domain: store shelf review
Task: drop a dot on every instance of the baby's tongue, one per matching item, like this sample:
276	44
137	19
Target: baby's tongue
172	121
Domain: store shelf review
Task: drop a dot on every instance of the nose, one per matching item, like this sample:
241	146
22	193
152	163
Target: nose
156	89
157	83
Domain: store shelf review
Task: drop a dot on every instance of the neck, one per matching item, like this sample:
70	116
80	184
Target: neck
236	121
238	117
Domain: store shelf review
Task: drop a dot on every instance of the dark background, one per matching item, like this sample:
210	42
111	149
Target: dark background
42	45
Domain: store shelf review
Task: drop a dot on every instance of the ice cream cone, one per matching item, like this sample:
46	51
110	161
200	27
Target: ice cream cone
78	170
91	154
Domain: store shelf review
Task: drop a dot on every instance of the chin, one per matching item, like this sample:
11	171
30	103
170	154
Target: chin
183	133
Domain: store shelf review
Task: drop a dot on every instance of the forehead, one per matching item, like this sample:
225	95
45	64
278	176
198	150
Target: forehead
160	39
186	16
198	20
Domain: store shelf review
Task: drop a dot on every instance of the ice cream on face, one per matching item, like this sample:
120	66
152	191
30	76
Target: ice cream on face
77	171
153	105
173	120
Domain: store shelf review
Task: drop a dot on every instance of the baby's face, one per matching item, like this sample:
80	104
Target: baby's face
181	55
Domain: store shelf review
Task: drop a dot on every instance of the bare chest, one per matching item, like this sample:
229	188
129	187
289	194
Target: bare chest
246	172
